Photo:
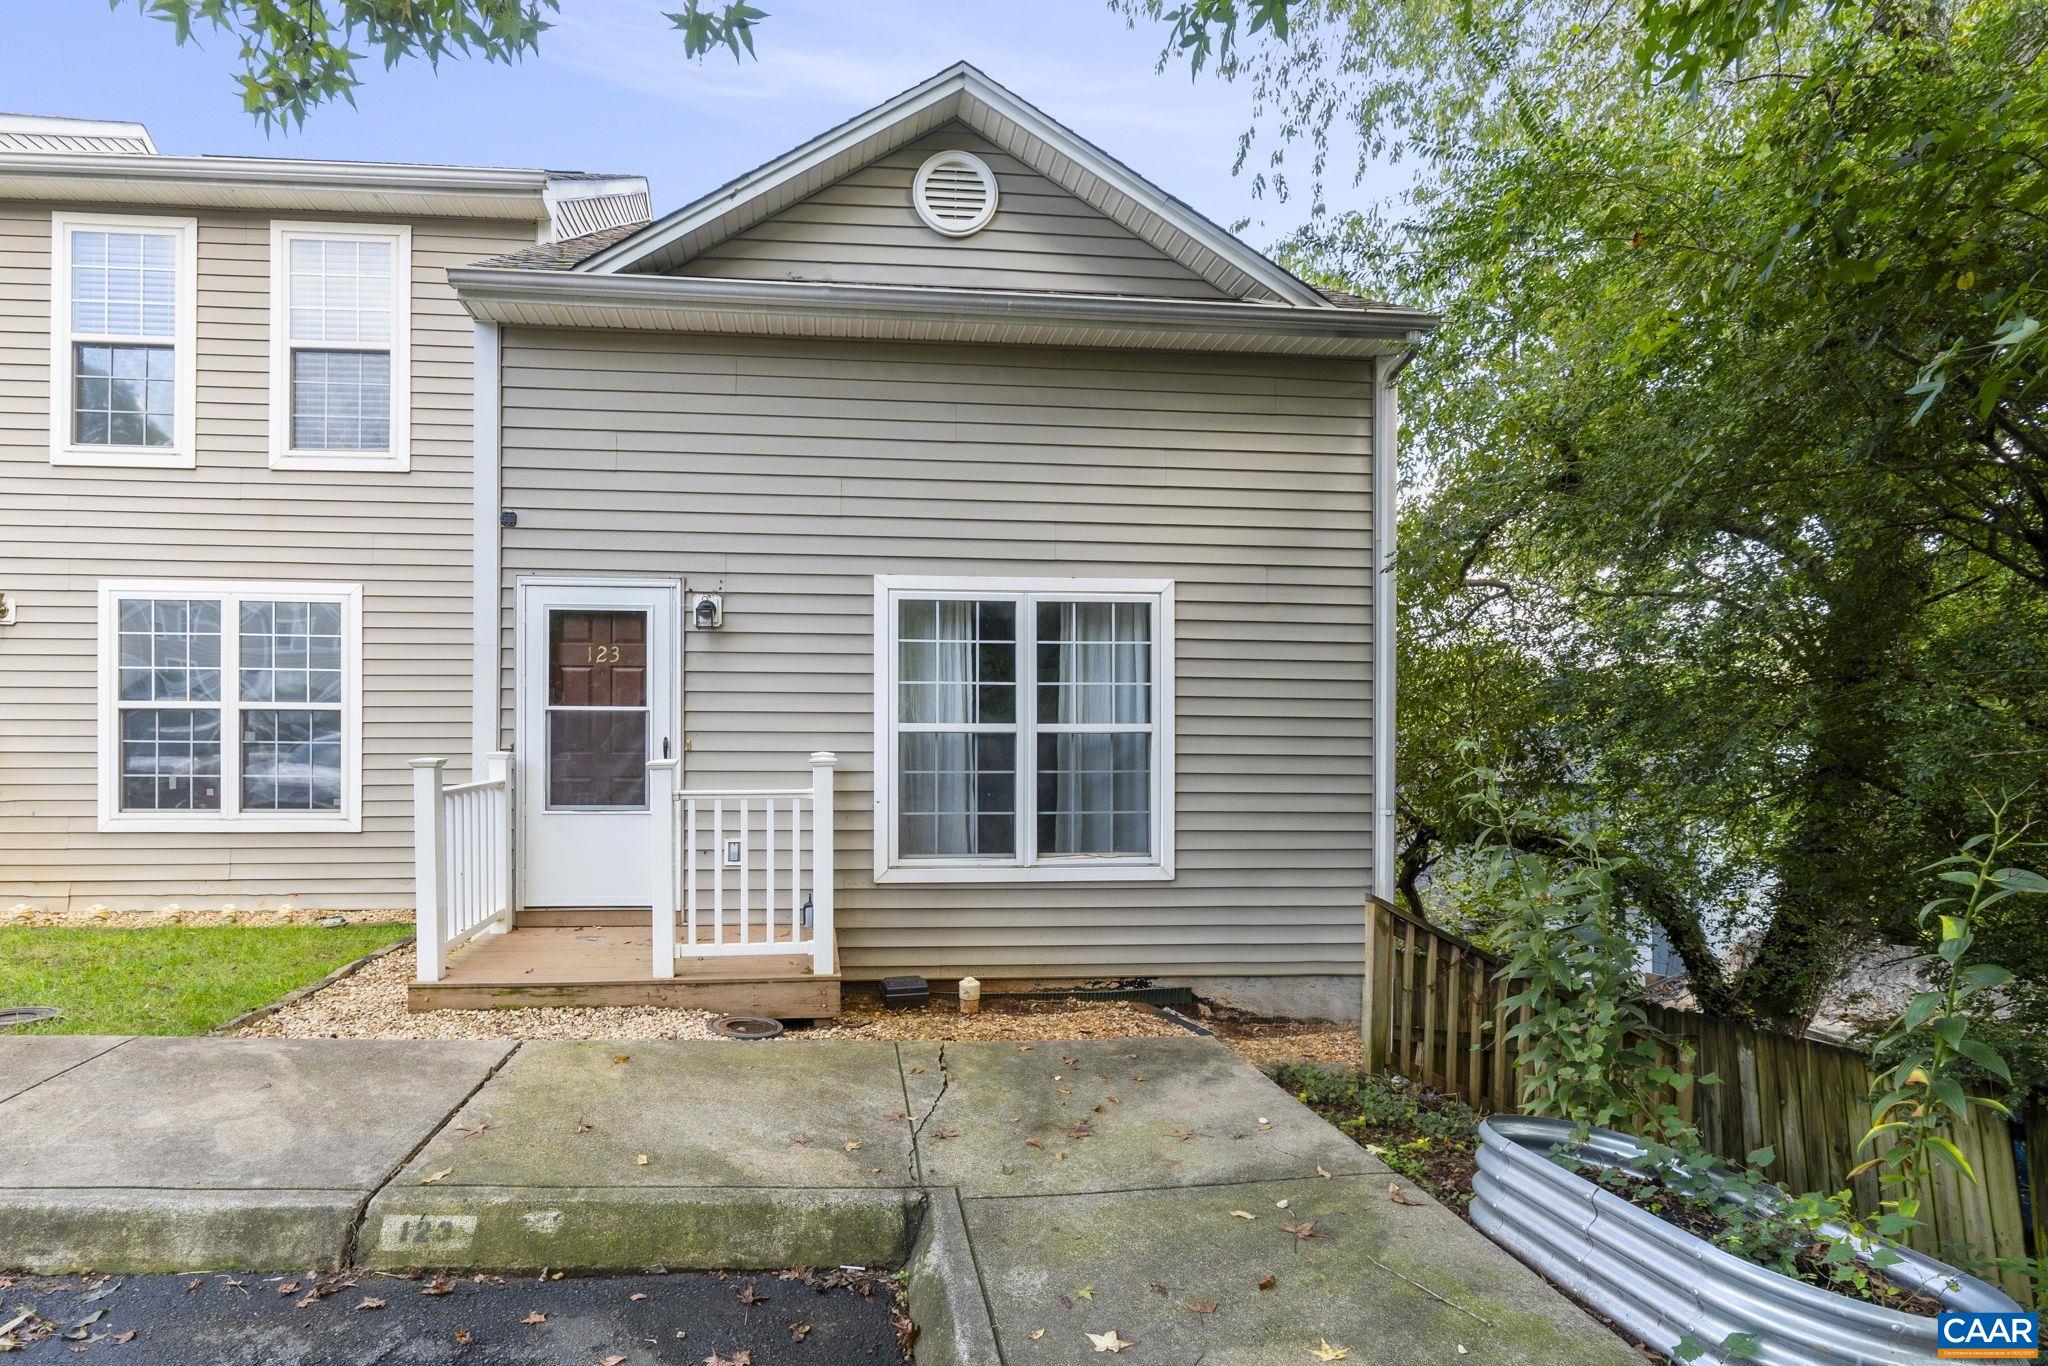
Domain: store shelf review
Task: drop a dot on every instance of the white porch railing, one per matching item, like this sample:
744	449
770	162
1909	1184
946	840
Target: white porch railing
462	858
735	870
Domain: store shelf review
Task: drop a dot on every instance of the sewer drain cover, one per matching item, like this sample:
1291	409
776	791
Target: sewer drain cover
11	1016
747	1026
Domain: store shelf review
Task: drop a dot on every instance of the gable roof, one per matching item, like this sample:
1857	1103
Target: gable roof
963	93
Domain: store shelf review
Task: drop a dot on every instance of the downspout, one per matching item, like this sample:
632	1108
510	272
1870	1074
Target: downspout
1386	427
487	475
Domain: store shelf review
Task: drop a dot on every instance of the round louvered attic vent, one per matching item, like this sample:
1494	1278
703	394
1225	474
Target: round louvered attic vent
954	193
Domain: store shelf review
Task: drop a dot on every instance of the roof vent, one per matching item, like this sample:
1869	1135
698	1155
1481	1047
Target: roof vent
954	193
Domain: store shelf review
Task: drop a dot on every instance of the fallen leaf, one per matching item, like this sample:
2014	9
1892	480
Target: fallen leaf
851	1145
534	1319
799	1331
1306	1229
1279	1204
947	1133
749	1295
441	1175
1320	1172
640	1161
1243	1214
1326	1352
440	1285
915	1071
1109	1342
1183	1134
1398	1196
288	1288
1033	1143
1158	1288
1193	1307
1037	1333
623	1057
473	1130
369	1302
582	1126
1266	1281
615	1359
1083	1129
801	1140
123	1339
1086	1292
462	1337
191	1286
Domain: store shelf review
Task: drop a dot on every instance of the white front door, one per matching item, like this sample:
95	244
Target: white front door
598	669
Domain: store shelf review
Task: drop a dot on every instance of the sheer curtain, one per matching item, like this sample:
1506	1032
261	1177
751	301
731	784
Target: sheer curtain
1095	671
956	750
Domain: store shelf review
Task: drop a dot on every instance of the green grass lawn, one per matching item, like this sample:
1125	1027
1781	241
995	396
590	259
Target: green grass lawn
168	980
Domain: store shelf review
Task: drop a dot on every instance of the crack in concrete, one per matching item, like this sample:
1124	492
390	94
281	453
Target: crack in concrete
945	1081
352	1239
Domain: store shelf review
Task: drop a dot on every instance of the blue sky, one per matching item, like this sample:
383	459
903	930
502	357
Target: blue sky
612	92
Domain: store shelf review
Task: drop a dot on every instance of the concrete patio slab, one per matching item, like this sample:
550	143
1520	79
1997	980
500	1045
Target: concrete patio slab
237	1114
1119	1114
31	1061
178	1154
1135	1261
827	1115
1056	1188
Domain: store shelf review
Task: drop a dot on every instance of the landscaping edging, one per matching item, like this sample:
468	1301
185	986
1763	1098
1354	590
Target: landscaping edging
1662	1284
350	969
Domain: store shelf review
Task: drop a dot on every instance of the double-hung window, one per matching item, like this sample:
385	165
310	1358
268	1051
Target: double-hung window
340	346
230	704
122	337
1024	729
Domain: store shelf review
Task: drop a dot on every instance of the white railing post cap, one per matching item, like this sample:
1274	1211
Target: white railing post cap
663	763
824	758
429	763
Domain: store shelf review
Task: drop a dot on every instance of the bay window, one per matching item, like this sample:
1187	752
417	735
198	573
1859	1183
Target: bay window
1023	729
340	364
229	703
122	339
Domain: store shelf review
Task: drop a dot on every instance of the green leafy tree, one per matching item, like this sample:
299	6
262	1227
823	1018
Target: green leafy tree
299	54
1728	469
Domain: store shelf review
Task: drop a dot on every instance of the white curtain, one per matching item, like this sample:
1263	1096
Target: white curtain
1101	680
955	698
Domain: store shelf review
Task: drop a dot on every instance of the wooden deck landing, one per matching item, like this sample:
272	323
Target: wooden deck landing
608	965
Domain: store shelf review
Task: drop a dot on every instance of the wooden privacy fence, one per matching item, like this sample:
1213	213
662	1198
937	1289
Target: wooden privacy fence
1434	1015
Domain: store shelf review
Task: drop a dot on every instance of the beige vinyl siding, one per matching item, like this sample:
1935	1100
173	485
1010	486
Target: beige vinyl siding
404	537
863	230
786	475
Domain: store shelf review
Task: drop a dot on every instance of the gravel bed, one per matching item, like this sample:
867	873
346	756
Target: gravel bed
371	1005
173	914
1002	1020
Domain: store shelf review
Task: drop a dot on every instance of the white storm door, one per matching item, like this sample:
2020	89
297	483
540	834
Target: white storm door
598	697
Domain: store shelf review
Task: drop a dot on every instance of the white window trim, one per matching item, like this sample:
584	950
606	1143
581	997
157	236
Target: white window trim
230	816
282	457
183	452
891	867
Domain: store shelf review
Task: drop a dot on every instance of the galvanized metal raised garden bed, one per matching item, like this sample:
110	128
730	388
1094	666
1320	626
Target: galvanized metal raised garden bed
1662	1284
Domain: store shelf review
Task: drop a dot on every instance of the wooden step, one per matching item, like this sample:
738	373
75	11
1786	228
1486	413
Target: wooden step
602	965
552	917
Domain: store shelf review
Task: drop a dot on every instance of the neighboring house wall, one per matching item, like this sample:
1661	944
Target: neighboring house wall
862	230
405	537
786	475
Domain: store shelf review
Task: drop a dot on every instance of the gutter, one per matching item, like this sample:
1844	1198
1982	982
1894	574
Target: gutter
482	287
1386	430
277	181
